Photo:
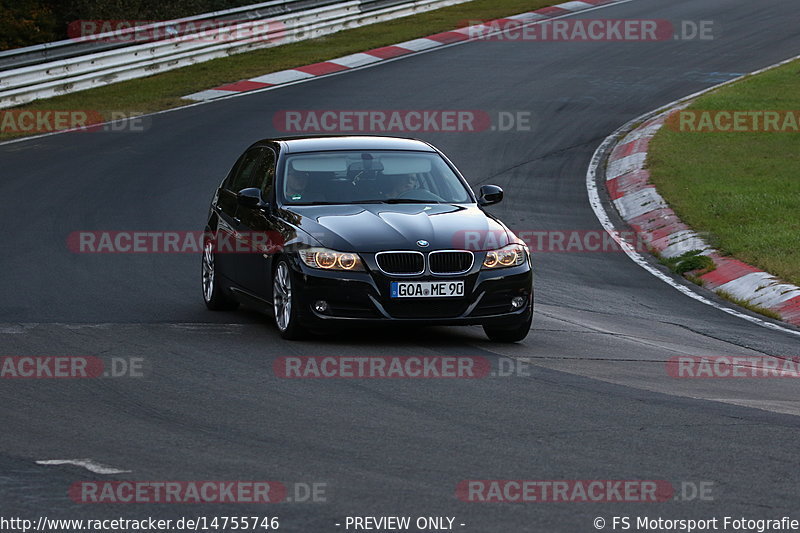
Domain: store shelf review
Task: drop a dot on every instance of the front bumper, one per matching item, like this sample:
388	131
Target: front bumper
364	296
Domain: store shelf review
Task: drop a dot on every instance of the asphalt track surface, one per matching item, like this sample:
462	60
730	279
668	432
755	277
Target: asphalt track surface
596	405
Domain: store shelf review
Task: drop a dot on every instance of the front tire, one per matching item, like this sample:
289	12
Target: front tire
514	333
214	295
284	303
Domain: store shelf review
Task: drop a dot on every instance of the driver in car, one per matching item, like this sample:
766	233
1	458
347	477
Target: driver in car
296	184
401	185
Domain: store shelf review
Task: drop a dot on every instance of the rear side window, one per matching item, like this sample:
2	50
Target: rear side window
243	174
264	173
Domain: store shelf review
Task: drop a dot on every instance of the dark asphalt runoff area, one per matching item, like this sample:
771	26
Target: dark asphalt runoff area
592	400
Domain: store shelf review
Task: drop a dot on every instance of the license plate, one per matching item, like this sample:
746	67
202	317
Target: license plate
427	289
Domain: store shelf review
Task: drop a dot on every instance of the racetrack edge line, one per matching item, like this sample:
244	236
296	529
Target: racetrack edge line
599	158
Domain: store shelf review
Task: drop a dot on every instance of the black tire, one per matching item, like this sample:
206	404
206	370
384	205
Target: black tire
513	333
215	296
284	303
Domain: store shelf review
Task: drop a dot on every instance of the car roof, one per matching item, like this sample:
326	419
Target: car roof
351	142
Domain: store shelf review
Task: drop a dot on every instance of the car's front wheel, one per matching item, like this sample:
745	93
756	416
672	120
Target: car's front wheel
514	333
284	303
213	294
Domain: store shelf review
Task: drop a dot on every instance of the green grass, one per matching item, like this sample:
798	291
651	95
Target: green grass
742	188
164	91
689	262
691	265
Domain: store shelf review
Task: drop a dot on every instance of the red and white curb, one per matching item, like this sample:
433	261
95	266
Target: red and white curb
639	204
390	52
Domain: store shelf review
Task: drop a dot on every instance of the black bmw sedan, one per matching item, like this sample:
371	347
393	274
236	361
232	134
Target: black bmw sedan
319	231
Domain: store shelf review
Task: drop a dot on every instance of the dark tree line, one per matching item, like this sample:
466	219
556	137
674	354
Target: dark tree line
27	22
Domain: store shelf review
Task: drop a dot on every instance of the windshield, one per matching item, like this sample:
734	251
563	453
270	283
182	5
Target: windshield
370	177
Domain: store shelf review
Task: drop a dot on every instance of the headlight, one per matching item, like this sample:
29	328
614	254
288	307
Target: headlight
508	256
326	259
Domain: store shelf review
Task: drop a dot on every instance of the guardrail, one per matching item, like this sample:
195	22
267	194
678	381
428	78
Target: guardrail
73	47
99	60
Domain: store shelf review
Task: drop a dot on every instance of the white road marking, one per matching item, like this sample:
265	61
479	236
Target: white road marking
88	464
769	290
625	165
635	204
575	5
207	94
419	44
525	17
355	60
282	76
640	134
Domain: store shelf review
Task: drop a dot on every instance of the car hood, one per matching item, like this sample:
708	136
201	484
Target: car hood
378	227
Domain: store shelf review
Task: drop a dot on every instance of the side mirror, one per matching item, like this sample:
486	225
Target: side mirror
490	194
250	197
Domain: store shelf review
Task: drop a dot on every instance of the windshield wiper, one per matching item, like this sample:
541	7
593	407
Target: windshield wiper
409	201
395	201
376	201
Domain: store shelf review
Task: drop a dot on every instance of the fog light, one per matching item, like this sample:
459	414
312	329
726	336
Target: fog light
320	306
517	302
